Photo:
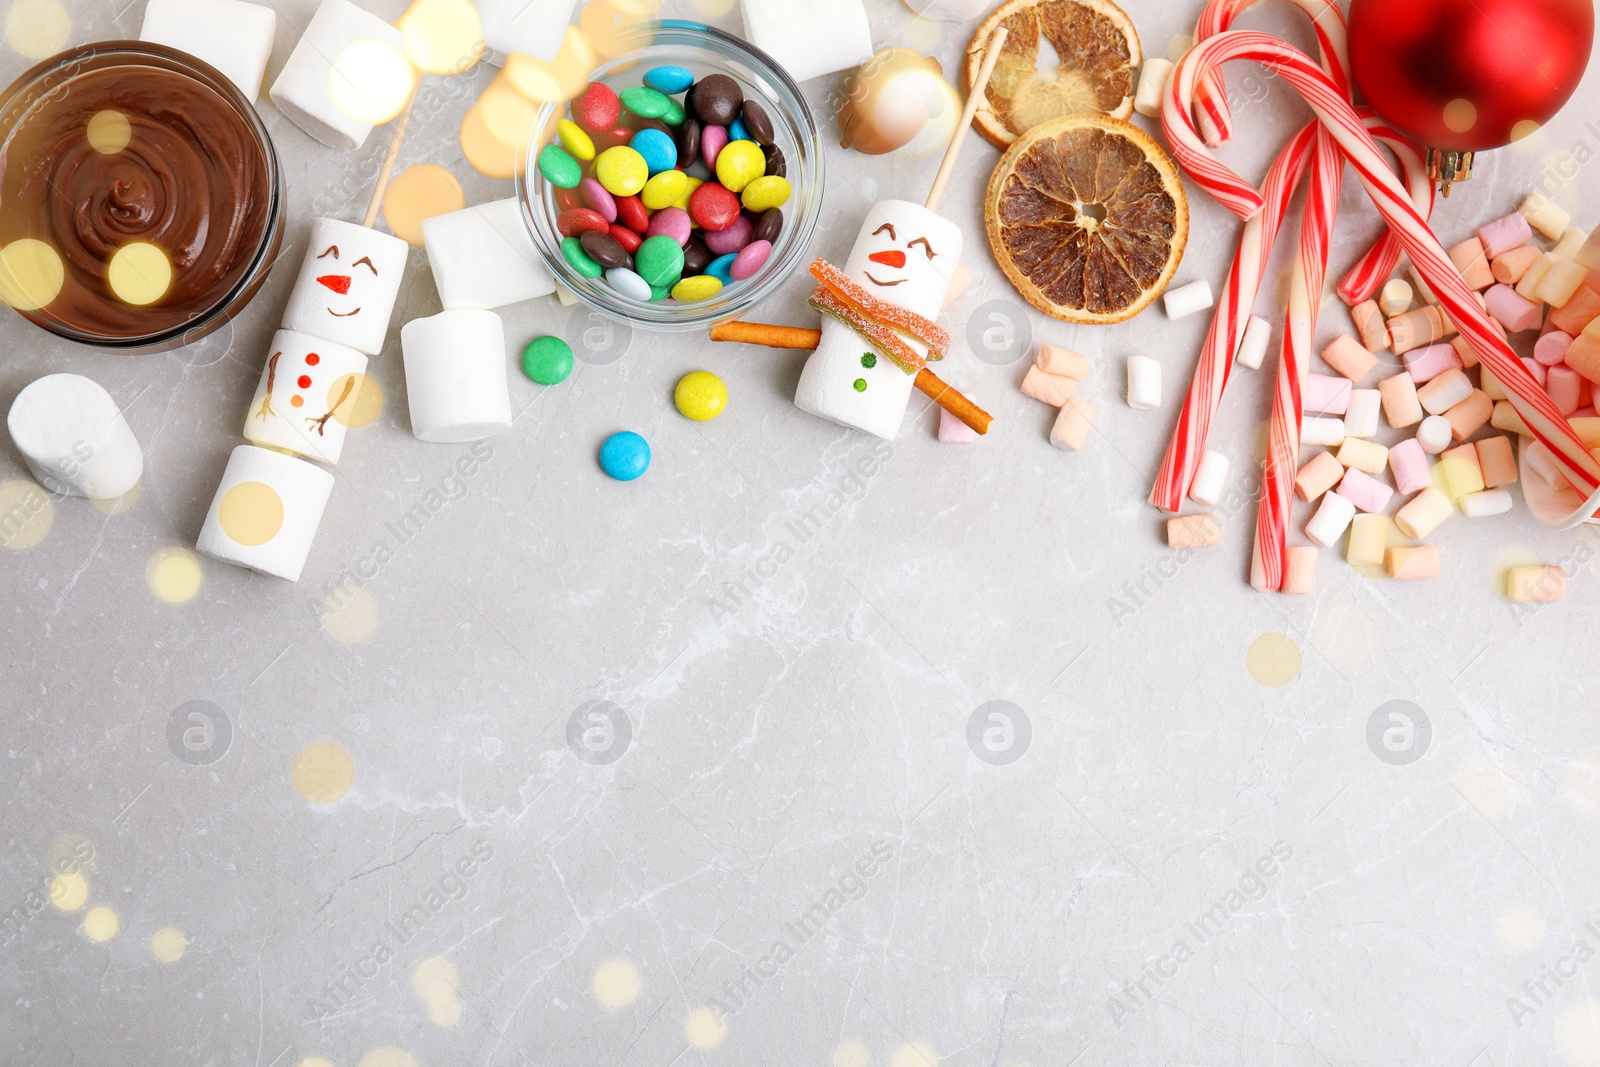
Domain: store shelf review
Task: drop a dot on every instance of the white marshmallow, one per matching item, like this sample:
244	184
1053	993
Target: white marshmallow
266	512
1361	417
456	375
1483	504
1210	478
828	383
1545	215
1332	517
483	257
1188	299
307	390
1152	87
812	38
1253	346
74	438
1434	434
533	27
338	258
301	90
232	36
1395	298
1326	432
1144	383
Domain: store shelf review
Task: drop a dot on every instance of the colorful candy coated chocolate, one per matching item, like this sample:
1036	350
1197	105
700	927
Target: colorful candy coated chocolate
547	360
645	101
632	214
739	164
766	193
719	268
629	284
669	79
751	259
673	222
735	237
621	170
717	99
696	256
714	207
559	168
659	151
598	108
757	122
605	250
713	139
665	189
576	221
700	395
770	225
659	260
626	237
578	144
625	456
697	288
578	259
594	194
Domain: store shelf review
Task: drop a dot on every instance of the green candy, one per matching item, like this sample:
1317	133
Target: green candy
659	261
547	360
659	292
674	115
559	168
580	260
646	102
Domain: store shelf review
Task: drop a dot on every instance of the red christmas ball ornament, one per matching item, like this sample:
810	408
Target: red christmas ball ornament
1465	76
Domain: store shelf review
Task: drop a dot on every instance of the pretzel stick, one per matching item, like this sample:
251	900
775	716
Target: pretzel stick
388	163
991	55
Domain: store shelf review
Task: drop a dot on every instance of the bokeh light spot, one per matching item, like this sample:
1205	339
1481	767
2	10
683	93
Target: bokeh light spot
38	28
1460	115
418	193
31	274
364	404
69	891
251	513
100	924
442	36
168	944
173	575
371	82
139	274
1519	929
616	983
109	132
1273	660
489	154
323	772
26	515
851	1053
705	1029
914	1054
350	616
388	1056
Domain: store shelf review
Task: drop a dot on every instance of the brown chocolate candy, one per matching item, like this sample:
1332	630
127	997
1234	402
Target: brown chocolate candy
605	249
775	161
770	225
687	138
757	122
696	257
717	99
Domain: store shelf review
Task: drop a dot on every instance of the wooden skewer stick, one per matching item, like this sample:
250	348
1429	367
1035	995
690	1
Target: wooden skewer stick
991	55
394	153
800	338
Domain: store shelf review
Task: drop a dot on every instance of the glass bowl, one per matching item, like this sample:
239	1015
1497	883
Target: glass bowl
702	50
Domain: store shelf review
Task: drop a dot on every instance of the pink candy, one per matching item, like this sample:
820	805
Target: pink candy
752	259
1535	368
1552	348
952	431
1325	394
713	139
735	237
1504	234
1510	309
1426	364
1364	491
1565	388
672	221
1408	462
595	195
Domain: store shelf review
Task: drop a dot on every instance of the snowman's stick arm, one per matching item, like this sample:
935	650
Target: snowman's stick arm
800	338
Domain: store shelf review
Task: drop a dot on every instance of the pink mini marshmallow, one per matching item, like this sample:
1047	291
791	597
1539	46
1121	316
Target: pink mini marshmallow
1364	491
1512	311
1504	234
1325	394
1565	388
1552	348
1535	368
952	431
1426	364
1409	464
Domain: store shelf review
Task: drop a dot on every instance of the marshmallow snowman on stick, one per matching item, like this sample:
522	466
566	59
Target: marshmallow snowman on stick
872	348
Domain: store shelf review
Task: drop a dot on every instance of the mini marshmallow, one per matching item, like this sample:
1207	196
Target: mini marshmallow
1491	385
1369	537
1507	418
810	39
1551	348
1470	416
73	437
266	512
952	431
1538	371
1409	465
1536	584
1321	473
1433	433
1487	503
1512	267
1325	395
456	376
1426	364
1144	383
1395	299
1364	456
301	91
1329	523
1062	361
1565	387
533	27
1423	513
1472	264
1587	428
1445	391
960	282
566	296
1459	472
1414	329
1072	425
1210	478
1361	417
1047	388
1400	405
1541	462
1464	350
1299	569
1326	432
1369	323
1570	244
1408	563
1504	234
1253	345
1193	531
1152	87
1545	215
1583	356
1528	286
1349	357
1364	491
1188	299
482	257
1561	281
1577	313
307	391
347	286
234	37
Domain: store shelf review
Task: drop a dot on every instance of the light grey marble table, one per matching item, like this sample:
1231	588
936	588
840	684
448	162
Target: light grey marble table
713	758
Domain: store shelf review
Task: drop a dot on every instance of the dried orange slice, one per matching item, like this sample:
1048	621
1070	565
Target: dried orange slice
1098	49
1088	218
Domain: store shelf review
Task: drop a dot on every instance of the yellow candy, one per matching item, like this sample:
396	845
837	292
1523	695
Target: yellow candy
622	171
574	140
691	184
740	163
700	395
695	289
665	190
766	193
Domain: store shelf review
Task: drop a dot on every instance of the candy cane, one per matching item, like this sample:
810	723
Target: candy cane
1339	118
1364	279
1214	112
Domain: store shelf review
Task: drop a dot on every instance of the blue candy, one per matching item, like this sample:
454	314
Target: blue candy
668	80
625	456
657	149
737	131
722	267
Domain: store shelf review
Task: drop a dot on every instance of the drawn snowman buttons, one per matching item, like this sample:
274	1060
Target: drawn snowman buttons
347	285
307	392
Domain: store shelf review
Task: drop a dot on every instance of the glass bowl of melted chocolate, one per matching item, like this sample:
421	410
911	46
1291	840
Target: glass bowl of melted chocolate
141	202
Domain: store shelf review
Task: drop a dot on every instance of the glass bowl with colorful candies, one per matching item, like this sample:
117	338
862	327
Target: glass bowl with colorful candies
683	187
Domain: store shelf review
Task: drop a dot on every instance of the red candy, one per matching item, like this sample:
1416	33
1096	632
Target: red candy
632	214
626	237
713	207
576	220
567	199
604	139
599	108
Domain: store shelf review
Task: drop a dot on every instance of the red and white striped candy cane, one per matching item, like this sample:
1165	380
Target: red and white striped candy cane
1364	279
1339	118
1212	110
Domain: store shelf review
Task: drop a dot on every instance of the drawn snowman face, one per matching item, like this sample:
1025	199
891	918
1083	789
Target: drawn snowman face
348	284
899	256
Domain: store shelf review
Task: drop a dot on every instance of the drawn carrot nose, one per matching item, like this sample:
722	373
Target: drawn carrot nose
892	258
340	283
